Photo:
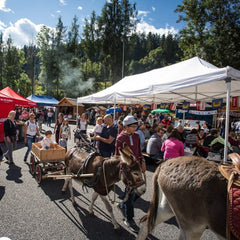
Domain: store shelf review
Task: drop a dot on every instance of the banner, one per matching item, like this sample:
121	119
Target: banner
185	105
163	105
235	102
217	103
200	106
146	107
173	106
213	112
182	111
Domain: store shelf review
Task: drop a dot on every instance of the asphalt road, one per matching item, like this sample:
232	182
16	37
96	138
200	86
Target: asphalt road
30	211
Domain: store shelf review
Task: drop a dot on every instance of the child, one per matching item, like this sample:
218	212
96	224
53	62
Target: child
63	141
47	141
65	128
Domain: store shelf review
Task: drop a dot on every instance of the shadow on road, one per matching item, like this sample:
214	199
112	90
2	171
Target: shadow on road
14	173
2	192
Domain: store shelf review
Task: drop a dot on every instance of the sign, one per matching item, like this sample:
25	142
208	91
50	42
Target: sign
217	103
235	102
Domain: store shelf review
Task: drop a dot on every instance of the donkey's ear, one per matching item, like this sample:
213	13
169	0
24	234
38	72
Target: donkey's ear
127	158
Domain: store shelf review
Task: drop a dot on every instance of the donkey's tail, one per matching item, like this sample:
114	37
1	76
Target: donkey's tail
150	218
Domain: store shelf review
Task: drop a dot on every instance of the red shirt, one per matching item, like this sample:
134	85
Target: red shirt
133	141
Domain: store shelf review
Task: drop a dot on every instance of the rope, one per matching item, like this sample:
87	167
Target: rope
105	182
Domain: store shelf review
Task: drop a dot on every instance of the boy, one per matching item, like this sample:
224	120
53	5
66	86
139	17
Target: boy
132	139
47	141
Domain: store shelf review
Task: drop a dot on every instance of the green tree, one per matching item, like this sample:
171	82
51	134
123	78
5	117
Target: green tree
212	30
116	22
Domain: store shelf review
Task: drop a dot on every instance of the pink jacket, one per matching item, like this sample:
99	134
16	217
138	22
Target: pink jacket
172	148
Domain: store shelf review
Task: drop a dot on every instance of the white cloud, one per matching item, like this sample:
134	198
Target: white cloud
3	7
63	2
23	32
79	8
153	8
58	11
2	25
144	13
145	27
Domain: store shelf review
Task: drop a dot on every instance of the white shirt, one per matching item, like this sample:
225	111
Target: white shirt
31	128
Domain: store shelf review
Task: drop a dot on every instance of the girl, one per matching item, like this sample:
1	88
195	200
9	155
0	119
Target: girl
65	129
57	127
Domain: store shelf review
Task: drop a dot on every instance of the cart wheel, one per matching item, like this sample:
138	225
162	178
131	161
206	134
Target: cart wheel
32	165
38	173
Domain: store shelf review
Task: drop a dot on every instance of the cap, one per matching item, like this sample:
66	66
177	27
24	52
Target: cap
128	120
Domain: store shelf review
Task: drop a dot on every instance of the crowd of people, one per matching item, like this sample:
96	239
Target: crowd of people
153	134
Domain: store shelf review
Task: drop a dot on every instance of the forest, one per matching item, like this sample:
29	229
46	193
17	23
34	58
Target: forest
66	63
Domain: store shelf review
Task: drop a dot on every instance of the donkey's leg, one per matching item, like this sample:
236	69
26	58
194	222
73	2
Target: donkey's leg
94	197
110	210
70	186
64	188
164	213
191	232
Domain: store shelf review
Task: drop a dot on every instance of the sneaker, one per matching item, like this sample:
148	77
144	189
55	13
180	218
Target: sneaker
121	210
132	226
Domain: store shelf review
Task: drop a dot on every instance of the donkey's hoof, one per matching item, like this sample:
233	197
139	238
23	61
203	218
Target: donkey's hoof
91	214
118	230
63	192
74	204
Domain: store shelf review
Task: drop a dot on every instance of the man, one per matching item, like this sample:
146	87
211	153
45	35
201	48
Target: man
155	143
107	137
131	138
143	141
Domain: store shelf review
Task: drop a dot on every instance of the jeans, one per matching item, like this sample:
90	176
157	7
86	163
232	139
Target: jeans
30	140
106	154
128	205
10	146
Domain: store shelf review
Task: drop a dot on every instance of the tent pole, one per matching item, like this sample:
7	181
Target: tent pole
228	81
77	114
114	110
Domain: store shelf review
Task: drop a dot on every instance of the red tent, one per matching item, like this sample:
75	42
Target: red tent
21	101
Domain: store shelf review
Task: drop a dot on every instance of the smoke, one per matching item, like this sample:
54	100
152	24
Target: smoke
73	83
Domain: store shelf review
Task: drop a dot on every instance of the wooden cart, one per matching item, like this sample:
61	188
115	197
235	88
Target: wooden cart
45	162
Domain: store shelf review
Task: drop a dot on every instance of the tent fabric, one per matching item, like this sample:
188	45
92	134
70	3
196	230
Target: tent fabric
43	100
193	79
22	100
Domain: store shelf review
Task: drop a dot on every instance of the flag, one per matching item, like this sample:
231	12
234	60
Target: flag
153	106
200	106
162	105
217	103
185	105
173	106
235	102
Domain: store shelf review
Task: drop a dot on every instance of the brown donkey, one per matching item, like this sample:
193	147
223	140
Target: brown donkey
193	190
106	172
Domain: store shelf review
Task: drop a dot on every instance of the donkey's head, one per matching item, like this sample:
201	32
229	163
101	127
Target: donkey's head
131	172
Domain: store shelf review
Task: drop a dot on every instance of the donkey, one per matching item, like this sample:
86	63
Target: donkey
106	172
192	189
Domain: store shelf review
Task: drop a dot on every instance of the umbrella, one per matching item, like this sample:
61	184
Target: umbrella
159	110
111	110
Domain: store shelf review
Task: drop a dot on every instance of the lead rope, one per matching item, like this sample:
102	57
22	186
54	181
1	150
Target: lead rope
105	182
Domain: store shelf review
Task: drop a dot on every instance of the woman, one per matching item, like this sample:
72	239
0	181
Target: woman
10	130
200	137
57	127
82	123
30	133
173	147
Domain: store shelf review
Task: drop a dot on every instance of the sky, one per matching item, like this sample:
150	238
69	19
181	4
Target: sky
22	19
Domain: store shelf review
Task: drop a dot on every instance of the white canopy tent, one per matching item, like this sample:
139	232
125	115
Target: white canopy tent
192	80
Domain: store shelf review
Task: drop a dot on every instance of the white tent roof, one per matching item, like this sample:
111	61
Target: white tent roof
193	80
